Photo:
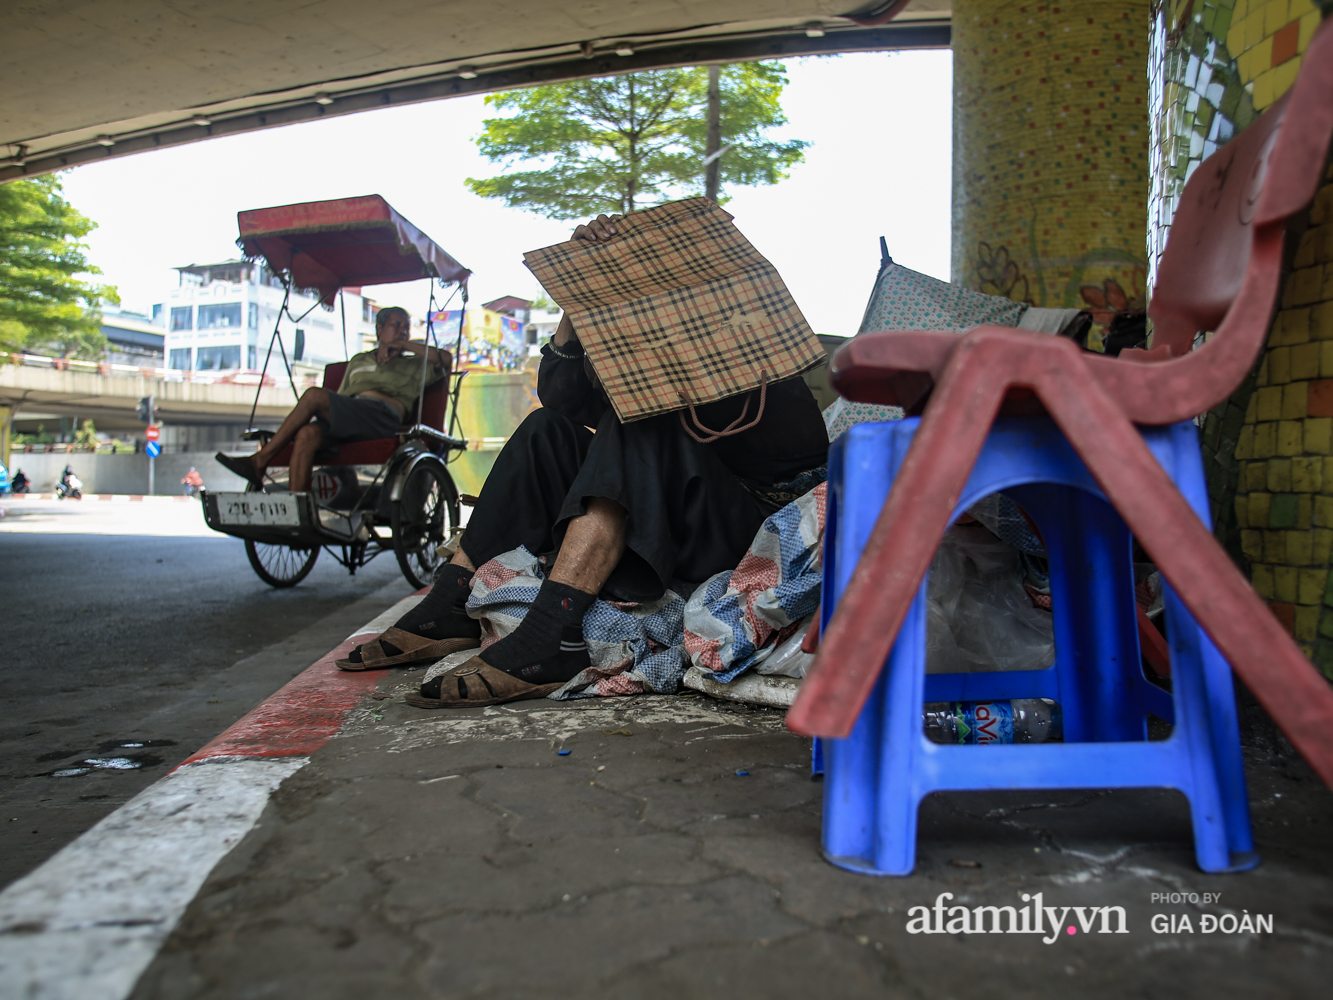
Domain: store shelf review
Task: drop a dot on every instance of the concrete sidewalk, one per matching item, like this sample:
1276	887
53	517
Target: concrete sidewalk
674	851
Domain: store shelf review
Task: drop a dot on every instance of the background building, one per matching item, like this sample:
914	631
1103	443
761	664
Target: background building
539	319
220	317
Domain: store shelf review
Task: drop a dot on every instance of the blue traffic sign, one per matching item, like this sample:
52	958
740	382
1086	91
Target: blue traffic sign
153	448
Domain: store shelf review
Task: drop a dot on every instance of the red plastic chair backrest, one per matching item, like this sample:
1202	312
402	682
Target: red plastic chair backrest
434	404
333	375
1267	173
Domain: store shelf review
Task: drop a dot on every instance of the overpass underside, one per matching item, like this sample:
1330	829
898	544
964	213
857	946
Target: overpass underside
110	400
86	82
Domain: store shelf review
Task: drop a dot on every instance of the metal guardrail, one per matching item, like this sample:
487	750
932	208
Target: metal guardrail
136	371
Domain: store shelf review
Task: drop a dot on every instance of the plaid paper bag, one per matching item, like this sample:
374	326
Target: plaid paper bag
678	309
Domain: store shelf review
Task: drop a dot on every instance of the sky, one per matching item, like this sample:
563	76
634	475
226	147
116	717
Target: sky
879	165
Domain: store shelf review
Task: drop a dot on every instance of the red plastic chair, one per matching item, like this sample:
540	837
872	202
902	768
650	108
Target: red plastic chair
1221	271
433	406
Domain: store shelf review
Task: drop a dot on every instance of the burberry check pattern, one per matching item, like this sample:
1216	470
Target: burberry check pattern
679	308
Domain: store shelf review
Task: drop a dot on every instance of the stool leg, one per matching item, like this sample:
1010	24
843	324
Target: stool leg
872	790
851	786
1092	597
902	782
1207	731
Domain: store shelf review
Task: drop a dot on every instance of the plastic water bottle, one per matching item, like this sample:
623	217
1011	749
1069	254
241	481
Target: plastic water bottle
1024	720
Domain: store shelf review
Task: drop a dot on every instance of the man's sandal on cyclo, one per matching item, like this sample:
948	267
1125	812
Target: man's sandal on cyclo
414	649
476	683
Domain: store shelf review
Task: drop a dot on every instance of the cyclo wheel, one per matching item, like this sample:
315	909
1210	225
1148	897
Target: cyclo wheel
422	519
279	565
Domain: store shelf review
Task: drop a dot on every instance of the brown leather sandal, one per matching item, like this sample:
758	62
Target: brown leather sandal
415	649
476	683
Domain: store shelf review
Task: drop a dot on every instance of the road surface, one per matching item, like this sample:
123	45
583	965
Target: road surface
132	623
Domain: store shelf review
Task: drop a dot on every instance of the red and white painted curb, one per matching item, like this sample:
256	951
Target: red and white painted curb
120	497
86	924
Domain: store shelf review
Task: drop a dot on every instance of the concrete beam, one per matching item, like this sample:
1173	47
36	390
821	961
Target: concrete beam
79	393
496	72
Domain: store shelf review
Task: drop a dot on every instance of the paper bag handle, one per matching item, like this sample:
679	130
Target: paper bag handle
731	428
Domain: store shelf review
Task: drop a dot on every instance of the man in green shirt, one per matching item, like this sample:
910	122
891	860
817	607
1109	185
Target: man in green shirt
377	392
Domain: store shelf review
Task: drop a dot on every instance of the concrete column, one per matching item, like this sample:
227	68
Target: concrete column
1050	151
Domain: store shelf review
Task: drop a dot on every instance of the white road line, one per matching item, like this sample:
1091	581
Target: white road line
86	923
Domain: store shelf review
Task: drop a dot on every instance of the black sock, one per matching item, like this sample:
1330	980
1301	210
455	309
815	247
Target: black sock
441	614
552	630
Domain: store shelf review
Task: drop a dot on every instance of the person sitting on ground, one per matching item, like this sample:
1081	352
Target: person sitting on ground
625	512
378	390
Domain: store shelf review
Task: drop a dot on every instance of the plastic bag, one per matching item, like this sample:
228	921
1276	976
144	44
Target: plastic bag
978	615
787	659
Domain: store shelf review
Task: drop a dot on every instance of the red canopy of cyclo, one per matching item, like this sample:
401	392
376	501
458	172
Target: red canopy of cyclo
344	242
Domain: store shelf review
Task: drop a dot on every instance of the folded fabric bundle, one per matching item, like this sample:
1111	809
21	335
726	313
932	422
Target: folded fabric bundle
904	299
737	618
634	648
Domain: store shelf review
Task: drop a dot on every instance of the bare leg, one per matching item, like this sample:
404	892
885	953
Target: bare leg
313	403
592	547
309	439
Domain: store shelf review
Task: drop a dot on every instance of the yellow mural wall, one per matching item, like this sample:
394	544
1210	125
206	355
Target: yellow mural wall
1284	455
1051	151
491	405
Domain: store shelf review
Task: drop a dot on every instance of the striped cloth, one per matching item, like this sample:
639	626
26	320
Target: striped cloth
633	647
737	618
729	623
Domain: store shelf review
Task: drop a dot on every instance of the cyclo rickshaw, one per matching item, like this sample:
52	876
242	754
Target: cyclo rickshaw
399	484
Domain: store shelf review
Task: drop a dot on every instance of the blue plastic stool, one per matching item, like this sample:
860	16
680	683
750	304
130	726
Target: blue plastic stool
876	778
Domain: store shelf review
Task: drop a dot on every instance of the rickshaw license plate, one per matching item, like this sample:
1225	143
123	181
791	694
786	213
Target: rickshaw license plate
257	509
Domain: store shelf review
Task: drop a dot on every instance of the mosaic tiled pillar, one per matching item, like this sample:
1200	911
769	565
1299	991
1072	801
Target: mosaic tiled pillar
1051	151
1284	453
1214	66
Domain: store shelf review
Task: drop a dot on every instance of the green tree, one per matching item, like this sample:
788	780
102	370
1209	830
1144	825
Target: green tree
631	141
86	437
45	303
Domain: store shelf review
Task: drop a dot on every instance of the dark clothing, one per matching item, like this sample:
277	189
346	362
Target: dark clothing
688	518
689	513
789	439
356	418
